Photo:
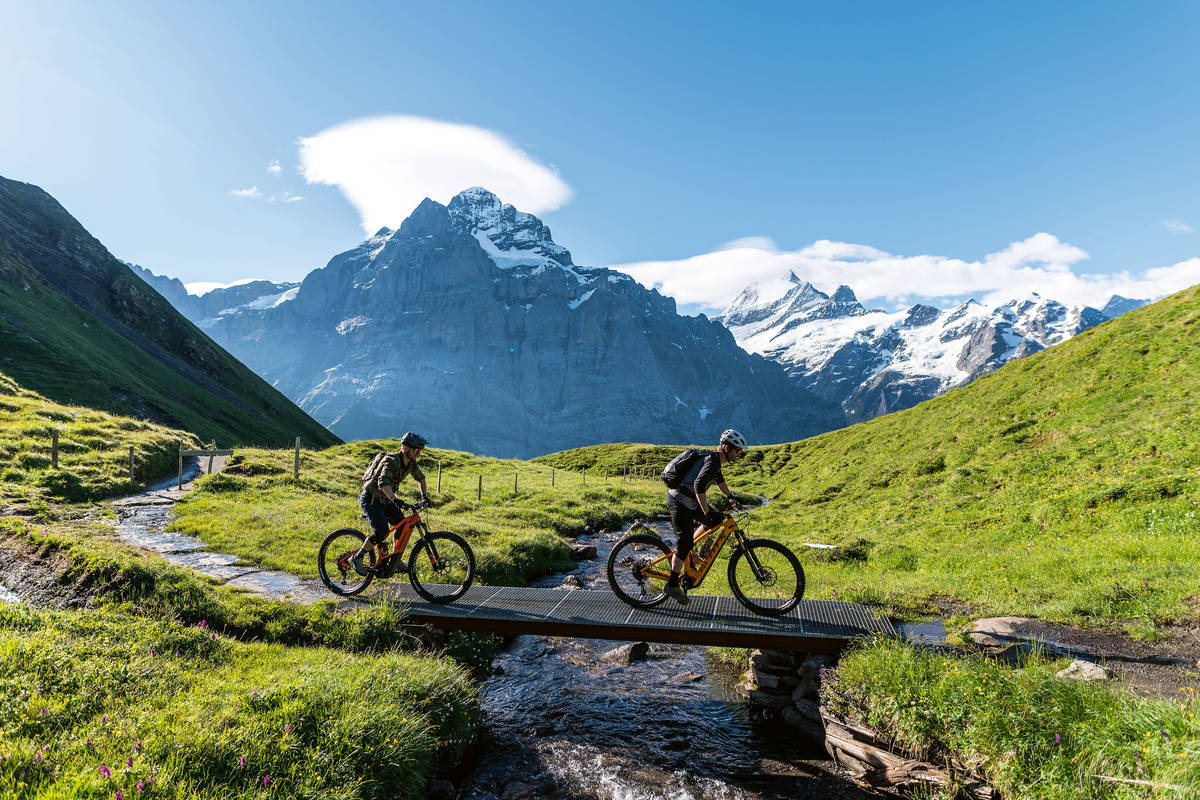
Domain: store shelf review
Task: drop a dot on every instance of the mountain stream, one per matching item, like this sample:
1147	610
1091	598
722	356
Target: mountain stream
567	721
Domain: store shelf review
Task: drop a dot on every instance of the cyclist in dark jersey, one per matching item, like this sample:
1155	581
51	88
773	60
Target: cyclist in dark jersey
688	505
378	500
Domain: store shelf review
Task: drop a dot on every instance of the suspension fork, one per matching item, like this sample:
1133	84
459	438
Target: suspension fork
434	561
751	557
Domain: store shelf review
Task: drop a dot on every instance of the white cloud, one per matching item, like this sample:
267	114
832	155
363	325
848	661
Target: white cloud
1177	226
274	167
386	165
254	193
1042	263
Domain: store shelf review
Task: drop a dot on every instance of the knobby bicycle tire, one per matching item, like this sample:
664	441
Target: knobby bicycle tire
632	552
784	578
451	576
328	569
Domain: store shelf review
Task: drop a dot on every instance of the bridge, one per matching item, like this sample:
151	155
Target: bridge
814	625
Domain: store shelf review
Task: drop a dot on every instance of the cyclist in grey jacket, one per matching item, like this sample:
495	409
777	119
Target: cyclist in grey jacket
688	505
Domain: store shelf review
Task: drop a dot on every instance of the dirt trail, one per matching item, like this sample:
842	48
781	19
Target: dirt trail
142	517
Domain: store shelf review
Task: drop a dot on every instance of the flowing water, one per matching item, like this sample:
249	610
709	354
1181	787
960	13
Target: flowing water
564	721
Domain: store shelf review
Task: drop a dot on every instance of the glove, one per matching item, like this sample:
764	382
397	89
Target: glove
713	517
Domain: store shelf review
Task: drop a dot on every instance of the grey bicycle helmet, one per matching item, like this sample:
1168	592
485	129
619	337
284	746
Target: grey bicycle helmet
413	439
734	438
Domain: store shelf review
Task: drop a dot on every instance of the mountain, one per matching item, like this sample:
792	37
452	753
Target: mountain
77	326
471	325
217	302
873	362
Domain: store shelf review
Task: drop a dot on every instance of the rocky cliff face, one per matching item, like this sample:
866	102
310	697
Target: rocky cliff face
218	302
873	362
470	324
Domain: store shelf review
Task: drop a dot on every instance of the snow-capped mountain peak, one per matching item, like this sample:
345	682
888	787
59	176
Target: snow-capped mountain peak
873	362
510	237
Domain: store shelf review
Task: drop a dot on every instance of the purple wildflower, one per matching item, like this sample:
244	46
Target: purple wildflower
104	718
254	693
152	652
129	762
1057	739
140	786
137	747
38	758
287	727
104	771
177	654
88	742
202	623
43	711
118	795
242	761
266	781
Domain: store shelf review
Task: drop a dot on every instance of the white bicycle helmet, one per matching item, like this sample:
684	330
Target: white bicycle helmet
734	438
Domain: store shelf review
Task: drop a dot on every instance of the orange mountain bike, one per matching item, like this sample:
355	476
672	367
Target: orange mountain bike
764	576
440	567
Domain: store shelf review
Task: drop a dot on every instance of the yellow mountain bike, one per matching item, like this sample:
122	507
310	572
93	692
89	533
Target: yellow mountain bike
764	576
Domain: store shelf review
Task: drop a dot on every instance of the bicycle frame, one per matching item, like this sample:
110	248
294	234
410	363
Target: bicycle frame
695	569
402	532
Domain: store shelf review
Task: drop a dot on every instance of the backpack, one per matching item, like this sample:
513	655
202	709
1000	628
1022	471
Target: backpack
374	470
680	465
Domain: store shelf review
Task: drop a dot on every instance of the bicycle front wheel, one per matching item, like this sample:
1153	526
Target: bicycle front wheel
766	577
333	562
629	565
441	567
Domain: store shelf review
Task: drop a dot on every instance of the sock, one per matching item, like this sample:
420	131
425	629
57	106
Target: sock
673	580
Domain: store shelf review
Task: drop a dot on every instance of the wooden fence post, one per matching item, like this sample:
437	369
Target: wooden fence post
296	464
479	491
210	458
585	476
131	463
54	448
439	489
552	476
514	481
181	465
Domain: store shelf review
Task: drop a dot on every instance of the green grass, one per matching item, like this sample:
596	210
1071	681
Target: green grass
93	449
95	703
257	510
1065	485
1033	735
120	578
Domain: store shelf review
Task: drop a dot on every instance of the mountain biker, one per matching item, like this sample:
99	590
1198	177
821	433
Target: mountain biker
688	505
378	498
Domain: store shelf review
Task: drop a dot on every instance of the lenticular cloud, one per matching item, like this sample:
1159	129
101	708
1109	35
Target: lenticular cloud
385	166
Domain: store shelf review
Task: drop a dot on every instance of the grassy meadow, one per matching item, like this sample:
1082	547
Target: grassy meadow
93	449
1032	735
102	705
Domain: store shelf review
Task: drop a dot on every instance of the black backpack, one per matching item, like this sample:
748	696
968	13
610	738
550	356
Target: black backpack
680	465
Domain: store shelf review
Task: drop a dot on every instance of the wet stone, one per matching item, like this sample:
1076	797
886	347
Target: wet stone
198	560
583	552
628	653
996	631
163	542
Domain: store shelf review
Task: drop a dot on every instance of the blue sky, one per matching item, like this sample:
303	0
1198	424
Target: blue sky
917	140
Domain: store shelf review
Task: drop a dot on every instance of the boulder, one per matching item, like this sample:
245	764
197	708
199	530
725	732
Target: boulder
804	724
583	552
628	653
996	631
1084	671
1016	654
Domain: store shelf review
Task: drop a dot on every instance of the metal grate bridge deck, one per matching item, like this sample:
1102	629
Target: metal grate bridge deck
816	626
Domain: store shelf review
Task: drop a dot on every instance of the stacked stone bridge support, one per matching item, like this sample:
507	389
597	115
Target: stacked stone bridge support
787	683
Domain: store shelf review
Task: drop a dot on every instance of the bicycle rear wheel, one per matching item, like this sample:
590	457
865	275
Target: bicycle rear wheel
626	563
766	577
441	567
333	562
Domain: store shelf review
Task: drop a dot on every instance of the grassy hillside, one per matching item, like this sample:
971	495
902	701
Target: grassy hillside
93	449
257	510
77	326
101	705
1065	485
